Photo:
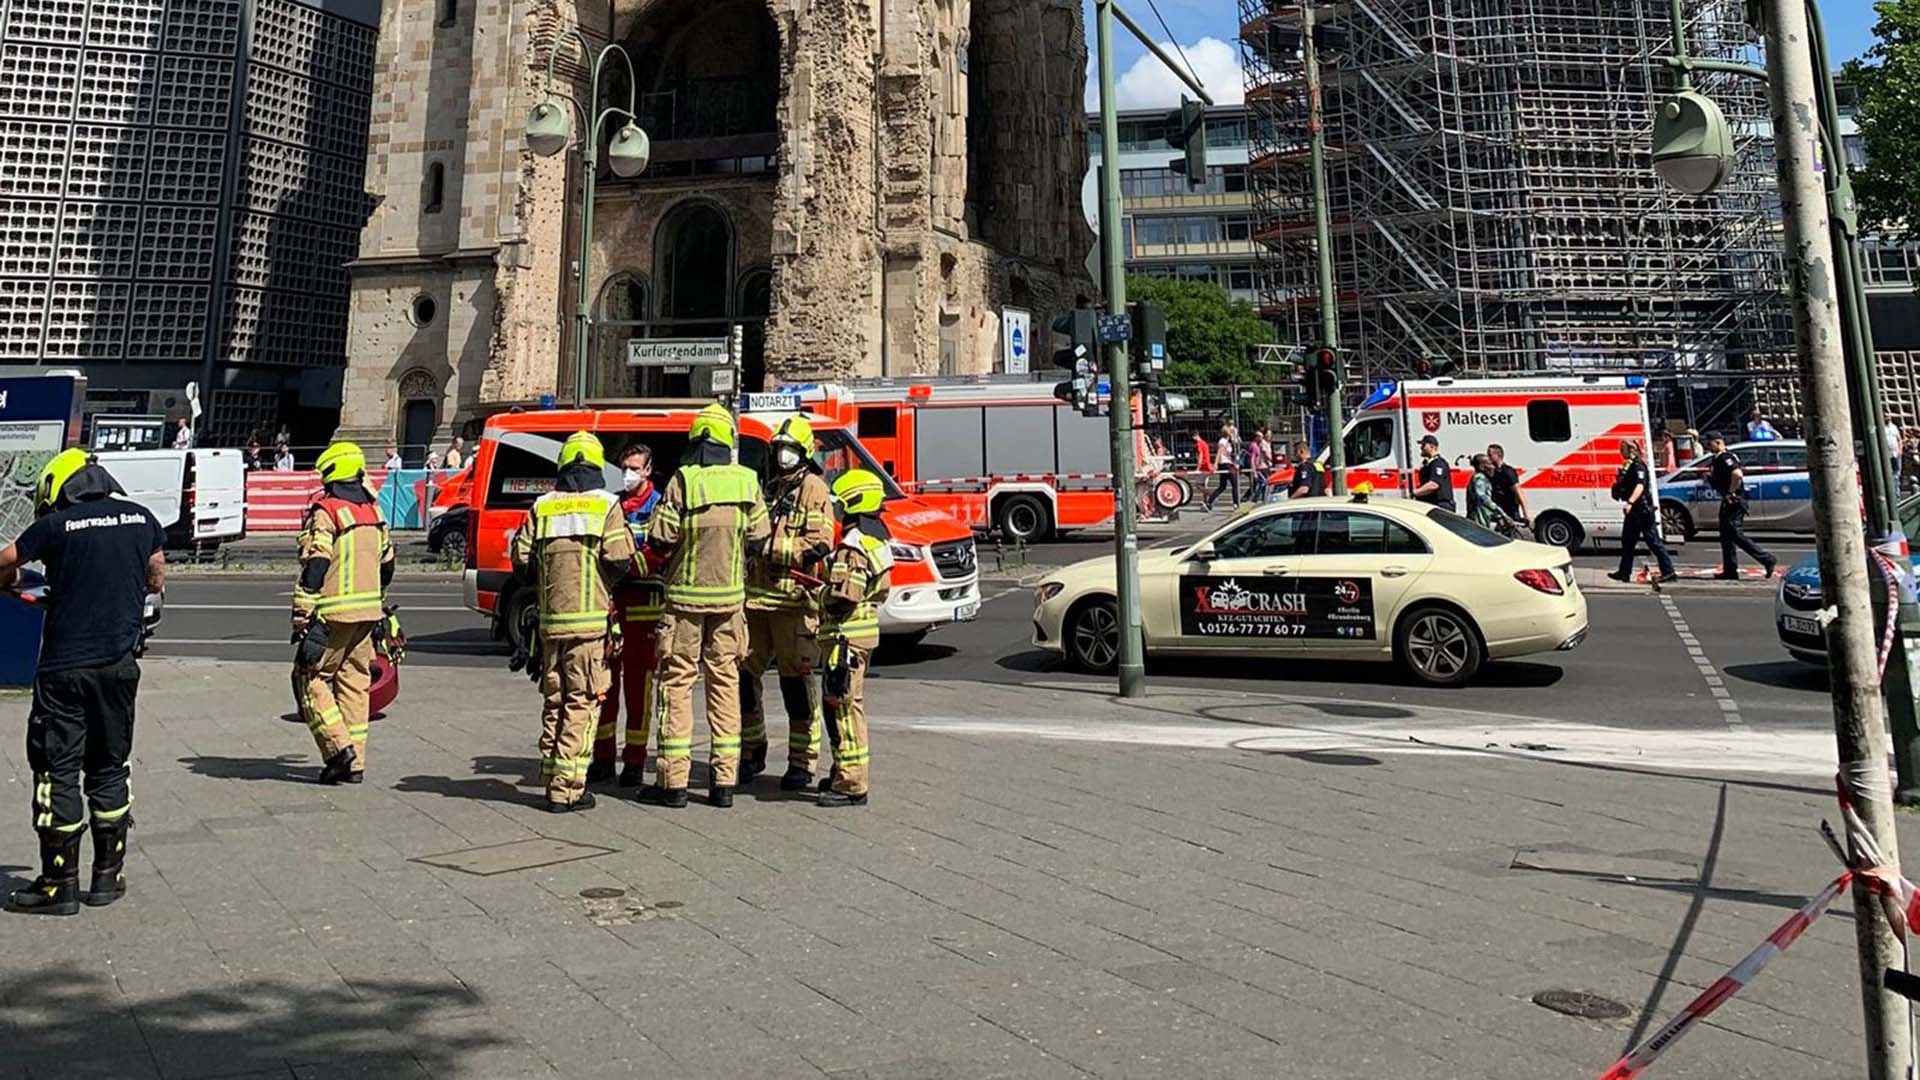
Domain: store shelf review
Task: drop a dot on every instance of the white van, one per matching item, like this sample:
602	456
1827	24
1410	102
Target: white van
1562	434
200	496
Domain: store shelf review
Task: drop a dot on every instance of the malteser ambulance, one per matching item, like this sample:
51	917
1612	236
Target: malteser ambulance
1562	435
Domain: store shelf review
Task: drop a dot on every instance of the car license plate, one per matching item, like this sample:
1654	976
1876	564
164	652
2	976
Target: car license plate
966	612
1793	624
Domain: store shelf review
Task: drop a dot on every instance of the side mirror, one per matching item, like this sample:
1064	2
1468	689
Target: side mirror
1204	553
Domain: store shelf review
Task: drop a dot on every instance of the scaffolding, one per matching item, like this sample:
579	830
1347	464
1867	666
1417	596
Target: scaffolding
1491	194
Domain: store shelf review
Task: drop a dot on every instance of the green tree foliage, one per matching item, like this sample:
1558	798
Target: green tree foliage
1888	81
1207	332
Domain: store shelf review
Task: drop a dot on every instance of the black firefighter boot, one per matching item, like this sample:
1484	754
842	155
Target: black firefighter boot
801	695
338	768
655	795
600	771
57	890
109	858
720	795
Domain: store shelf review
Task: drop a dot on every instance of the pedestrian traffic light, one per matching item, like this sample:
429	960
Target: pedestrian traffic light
1082	350
1149	341
1189	135
1435	369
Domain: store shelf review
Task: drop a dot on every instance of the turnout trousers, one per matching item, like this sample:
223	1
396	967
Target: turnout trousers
846	718
787	638
689	642
333	693
635	679
573	679
79	736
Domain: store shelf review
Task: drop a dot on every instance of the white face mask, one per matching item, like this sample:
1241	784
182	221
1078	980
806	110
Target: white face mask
633	478
787	456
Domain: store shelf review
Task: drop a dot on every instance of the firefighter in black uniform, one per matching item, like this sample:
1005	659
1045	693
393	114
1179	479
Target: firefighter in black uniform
102	554
1633	487
1726	477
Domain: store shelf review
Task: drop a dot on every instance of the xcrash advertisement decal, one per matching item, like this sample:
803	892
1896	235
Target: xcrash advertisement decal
1277	607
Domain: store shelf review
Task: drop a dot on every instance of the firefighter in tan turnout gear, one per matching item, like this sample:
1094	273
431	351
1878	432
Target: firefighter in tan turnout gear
783	618
710	517
346	562
573	546
857	577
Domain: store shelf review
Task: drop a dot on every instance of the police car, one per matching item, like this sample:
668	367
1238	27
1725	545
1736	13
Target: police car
1798	602
1334	578
1779	492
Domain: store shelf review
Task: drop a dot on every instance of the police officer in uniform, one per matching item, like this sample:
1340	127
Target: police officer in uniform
1309	475
1726	477
783	620
102	554
857	576
574	544
346	562
1434	484
1633	486
709	521
637	603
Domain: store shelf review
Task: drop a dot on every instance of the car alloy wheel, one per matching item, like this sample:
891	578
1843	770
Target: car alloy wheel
1095	636
1440	647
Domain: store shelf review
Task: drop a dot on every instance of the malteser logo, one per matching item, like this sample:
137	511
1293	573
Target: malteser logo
1431	419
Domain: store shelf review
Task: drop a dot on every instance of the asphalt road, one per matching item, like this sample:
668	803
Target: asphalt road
1633	670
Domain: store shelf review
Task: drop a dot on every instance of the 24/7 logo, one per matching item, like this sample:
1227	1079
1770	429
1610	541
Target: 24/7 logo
1430	419
1347	592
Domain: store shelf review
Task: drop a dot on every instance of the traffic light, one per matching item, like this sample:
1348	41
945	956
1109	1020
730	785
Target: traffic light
1080	358
1298	388
1326	372
1149	341
1435	369
1189	135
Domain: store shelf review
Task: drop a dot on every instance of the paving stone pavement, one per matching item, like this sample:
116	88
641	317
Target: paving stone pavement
1008	906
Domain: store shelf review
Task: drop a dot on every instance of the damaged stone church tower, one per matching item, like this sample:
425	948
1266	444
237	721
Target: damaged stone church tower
863	185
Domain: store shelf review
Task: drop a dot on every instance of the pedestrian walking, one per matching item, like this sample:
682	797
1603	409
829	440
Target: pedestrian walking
858	575
709	521
1506	486
102	553
1664	457
183	436
572	547
1309	475
783	610
1202	454
1434	482
346	563
1728	480
1633	488
1227	460
1481	508
638	603
456	456
1260	462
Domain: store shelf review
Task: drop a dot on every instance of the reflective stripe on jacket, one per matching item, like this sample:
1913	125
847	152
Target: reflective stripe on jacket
858	575
576	541
706	519
352	537
801	519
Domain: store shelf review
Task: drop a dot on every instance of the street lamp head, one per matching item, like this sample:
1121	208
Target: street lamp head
628	151
1692	144
549	128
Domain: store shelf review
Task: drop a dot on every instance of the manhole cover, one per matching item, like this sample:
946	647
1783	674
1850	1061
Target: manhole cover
529	854
602	892
1581	1004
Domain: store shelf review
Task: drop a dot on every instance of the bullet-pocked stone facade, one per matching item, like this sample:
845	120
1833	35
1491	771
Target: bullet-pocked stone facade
864	186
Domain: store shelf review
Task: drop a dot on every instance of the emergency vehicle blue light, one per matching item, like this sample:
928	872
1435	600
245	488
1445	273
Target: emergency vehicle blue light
1380	393
1636	381
546	401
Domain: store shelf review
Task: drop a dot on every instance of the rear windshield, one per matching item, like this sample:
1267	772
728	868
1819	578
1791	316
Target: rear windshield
524	462
1464	529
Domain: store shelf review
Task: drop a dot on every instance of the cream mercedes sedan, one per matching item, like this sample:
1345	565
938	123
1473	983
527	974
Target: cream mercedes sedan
1329	578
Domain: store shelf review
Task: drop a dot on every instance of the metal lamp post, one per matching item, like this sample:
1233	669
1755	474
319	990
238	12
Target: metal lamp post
1693	151
549	129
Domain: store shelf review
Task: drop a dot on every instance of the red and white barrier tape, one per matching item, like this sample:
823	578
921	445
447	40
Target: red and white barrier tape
1892	576
1723	988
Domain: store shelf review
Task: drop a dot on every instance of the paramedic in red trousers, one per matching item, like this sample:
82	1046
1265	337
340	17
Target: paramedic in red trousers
1633	486
102	554
1434	482
638	602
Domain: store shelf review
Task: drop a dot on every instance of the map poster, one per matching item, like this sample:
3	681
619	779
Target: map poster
1277	607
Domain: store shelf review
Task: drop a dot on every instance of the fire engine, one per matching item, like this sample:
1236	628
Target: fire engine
996	453
1562	435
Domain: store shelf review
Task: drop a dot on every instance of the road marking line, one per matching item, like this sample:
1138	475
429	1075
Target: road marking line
1729	709
984	599
279	607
